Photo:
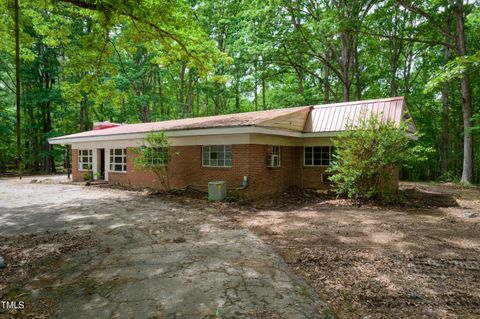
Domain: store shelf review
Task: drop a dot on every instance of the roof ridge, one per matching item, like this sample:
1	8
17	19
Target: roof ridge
337	104
221	115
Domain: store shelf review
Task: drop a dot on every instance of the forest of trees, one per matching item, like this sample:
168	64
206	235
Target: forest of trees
83	61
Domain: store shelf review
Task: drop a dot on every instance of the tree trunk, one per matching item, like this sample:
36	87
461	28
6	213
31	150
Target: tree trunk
356	69
255	93
160	94
47	127
264	102
34	145
18	160
466	90
84	116
237	95
47	120
326	89
146	112
217	100
345	65
182	91
154	91
197	89
206	104
393	71
345	91
445	145
300	75
299	82
189	92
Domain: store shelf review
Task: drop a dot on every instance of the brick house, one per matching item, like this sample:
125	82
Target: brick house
256	153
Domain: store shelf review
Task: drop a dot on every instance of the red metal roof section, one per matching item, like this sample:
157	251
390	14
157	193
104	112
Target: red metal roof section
337	117
104	125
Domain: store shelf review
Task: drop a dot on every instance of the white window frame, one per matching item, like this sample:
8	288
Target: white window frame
209	152
275	151
330	148
112	162
81	158
159	157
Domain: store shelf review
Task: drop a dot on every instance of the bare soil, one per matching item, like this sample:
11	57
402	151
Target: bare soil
416	260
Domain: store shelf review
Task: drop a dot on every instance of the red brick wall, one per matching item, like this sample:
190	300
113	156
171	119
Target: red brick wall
133	176
271	180
186	169
77	176
247	160
312	177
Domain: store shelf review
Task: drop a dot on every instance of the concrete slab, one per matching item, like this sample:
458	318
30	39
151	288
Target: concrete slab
155	258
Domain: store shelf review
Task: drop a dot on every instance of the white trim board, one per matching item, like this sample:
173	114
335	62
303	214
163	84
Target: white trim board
191	133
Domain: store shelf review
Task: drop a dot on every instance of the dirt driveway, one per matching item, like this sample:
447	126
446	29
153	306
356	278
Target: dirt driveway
79	252
419	260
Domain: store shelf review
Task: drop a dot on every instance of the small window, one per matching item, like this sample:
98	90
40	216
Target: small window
217	155
274	156
84	160
318	155
118	160
158	156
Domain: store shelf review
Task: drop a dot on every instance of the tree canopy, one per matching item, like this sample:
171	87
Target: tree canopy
129	61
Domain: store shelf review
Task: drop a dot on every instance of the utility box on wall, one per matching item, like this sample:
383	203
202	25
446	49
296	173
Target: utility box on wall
217	191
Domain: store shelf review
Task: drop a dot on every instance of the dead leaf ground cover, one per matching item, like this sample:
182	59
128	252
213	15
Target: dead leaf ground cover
419	259
32	259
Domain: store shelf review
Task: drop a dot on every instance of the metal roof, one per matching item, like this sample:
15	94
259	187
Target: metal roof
337	117
323	119
218	121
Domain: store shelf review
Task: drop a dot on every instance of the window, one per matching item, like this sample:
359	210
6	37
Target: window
84	160
318	155
217	155
118	160
274	156
158	156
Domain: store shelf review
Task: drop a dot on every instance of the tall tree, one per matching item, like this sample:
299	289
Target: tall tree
17	88
460	46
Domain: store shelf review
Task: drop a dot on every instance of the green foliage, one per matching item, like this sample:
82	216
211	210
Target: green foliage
448	177
454	70
367	158
7	132
155	156
88	176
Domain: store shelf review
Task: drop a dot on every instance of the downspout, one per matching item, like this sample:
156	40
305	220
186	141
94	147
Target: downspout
244	184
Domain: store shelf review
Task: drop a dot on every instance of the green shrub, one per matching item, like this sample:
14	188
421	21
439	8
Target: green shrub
155	156
88	176
367	159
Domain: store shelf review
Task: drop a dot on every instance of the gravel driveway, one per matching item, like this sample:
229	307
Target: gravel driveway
154	258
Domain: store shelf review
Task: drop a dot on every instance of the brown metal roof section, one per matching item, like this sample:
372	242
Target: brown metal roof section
261	118
294	121
337	117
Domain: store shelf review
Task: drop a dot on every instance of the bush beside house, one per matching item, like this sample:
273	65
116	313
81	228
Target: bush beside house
368	157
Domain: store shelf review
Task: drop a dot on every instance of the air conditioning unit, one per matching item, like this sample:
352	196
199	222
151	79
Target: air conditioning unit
273	160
